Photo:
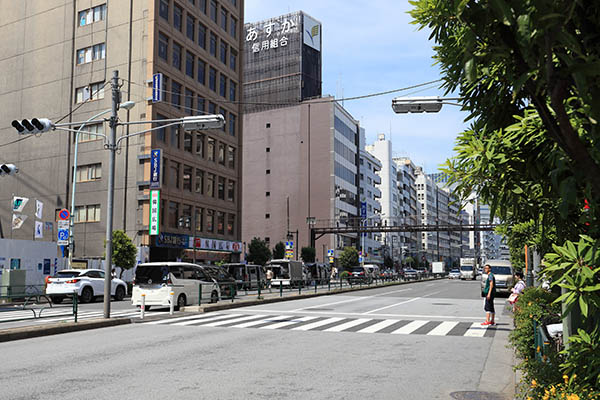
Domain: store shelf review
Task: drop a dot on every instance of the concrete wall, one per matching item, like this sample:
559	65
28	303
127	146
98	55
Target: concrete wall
31	256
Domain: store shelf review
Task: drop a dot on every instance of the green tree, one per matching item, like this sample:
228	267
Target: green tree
124	251
258	252
409	261
308	254
279	251
349	257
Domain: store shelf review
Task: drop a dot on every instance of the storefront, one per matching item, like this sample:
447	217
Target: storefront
175	247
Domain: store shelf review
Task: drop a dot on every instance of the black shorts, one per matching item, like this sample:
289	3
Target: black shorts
489	305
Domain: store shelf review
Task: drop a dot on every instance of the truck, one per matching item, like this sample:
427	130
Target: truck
468	269
286	273
438	268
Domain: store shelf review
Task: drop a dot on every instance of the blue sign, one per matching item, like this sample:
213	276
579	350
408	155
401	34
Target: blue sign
155	156
172	240
63	234
157	80
363	209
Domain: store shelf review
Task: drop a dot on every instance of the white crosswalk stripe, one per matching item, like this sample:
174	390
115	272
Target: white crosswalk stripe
409	328
443	328
262	321
235	320
378	326
288	323
192	322
347	325
317	324
171	320
476	330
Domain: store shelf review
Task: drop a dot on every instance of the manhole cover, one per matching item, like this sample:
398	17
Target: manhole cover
472	395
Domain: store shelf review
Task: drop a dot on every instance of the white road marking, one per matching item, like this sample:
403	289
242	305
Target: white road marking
185	323
371	315
349	300
392	305
347	325
261	321
169	320
317	324
378	326
235	320
443	328
409	328
288	323
476	330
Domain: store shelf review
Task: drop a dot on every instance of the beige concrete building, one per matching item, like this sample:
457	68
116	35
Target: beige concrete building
57	58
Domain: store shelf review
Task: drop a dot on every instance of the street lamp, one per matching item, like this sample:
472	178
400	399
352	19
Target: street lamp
433	104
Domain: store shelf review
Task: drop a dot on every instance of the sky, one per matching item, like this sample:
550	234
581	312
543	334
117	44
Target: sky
371	47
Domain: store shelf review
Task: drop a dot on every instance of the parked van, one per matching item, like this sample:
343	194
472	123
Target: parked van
321	273
158	279
286	272
247	276
372	271
503	272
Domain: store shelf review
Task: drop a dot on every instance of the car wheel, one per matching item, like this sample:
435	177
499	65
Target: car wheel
214	297
181	302
57	299
119	293
87	295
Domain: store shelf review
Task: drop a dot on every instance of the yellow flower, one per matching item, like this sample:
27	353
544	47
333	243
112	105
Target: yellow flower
529	303
573	397
566	378
533	383
552	390
539	349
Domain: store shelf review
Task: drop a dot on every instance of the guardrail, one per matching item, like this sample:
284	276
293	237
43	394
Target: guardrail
28	297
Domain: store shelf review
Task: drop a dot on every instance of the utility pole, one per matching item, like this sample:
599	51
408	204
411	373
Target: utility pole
112	147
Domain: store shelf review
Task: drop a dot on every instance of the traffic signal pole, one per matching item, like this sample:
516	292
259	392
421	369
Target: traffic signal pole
112	147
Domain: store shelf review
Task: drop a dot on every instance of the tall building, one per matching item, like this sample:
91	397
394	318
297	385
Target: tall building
409	204
369	197
298	162
282	61
57	59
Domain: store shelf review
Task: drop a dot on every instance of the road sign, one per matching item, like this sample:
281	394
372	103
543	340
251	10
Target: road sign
289	245
331	260
289	254
363	209
330	252
62	224
63	237
157	80
155	161
64	214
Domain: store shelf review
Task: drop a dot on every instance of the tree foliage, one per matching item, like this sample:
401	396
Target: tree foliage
124	251
308	254
279	251
258	252
349	257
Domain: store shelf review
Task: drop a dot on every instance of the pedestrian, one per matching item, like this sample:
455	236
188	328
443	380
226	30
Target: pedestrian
489	291
334	272
269	277
517	289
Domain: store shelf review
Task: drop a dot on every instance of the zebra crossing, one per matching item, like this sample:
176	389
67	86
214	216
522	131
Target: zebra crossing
330	324
51	315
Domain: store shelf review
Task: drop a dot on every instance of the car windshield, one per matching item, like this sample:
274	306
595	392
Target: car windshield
67	274
466	268
280	271
357	269
501	270
454	271
151	274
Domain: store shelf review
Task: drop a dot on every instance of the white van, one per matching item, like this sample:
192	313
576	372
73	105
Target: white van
372	271
158	279
286	272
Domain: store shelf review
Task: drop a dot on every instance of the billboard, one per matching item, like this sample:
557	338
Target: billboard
312	33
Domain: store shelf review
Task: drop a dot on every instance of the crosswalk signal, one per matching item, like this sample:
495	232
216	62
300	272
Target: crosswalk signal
34	125
8	169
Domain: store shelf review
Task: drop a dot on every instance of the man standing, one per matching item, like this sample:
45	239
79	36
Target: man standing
269	277
489	291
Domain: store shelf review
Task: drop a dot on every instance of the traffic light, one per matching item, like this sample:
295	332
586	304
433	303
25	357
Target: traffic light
8	169
34	125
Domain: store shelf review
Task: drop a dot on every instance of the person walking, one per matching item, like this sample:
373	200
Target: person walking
489	291
269	277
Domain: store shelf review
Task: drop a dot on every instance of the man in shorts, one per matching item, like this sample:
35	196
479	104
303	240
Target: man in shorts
489	291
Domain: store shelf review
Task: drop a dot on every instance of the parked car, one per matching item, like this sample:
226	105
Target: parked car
411	274
320	273
88	283
227	283
454	274
359	274
503	272
247	276
158	279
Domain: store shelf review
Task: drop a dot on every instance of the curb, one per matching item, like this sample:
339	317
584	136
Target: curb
248	303
28	332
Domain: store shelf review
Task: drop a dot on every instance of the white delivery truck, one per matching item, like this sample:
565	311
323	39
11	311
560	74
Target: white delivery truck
286	273
438	268
468	269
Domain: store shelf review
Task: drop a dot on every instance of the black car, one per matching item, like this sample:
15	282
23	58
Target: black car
226	282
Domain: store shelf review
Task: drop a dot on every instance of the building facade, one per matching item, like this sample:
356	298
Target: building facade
64	74
409	205
370	194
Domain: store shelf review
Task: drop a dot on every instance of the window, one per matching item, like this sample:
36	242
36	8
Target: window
267	194
173	214
91	53
233	2
224	114
213	11
199	182
163	46
268	172
213	45
210	221
190	27
201	72
268	149
94	91
161	134
89	132
176	94
165	86
230	223
212	108
224	19
200	144
174	174
187	142
223	85
87	173
89	213
230	190
186	217
232	90
221	188
99	51
175	136
187	179
267	216
189	64
221	222
233	26
163	9
231	157
223	52
211	149
200	105
199	219
268	125
177	55
232	125
210	184
164	175
222	148
177	15
233	59
92	15
189	106
202	5
202	36
212	79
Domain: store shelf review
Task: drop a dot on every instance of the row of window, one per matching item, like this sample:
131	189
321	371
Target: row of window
345	151
344	129
88	213
88	173
182	216
91	53
218	14
91	15
93	91
345	174
198	181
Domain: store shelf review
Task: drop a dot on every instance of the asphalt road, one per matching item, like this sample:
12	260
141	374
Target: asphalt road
416	341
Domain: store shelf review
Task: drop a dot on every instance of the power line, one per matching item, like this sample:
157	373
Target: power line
81	104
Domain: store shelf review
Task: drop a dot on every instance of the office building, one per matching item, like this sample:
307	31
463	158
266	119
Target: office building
370	206
409	205
57	60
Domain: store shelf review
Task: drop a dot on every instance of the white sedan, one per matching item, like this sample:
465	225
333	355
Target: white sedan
87	283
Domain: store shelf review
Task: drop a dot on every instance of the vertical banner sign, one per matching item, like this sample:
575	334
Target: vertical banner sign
155	161
39	209
157	87
363	209
19	204
39	230
154	212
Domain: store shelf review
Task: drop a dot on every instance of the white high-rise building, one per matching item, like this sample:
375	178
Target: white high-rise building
370	194
409	206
